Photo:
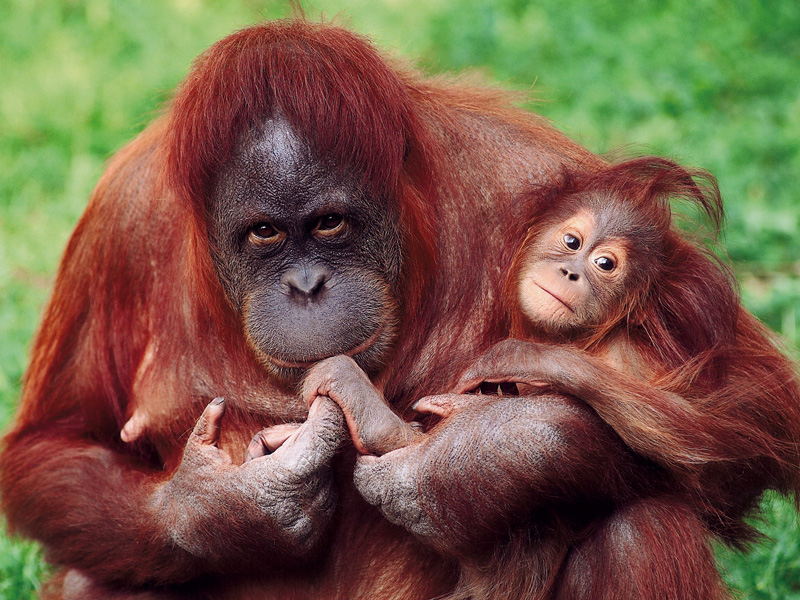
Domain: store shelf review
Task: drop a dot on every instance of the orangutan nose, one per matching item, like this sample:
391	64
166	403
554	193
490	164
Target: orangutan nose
571	275
305	282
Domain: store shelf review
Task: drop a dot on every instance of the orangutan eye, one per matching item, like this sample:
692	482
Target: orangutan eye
264	234
330	225
264	231
329	222
604	263
571	242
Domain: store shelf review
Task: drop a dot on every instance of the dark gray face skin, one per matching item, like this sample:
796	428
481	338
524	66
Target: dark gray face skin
309	259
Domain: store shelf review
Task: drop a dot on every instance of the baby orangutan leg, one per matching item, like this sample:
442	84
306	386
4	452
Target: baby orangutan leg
374	427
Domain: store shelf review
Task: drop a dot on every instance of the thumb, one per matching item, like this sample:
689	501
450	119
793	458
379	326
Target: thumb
317	440
207	429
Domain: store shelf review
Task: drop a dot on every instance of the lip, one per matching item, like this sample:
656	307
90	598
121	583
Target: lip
288	364
537	284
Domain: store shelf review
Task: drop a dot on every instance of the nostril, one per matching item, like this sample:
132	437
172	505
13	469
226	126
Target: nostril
317	281
304	281
571	275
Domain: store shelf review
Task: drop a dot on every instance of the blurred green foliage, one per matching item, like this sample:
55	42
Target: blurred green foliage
711	83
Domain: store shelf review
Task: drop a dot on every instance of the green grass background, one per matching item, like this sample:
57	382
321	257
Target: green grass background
710	83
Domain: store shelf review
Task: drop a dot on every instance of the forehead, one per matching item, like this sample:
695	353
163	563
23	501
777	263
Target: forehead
278	142
605	214
582	220
276	173
274	156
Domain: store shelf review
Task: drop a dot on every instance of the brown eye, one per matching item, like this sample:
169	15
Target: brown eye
330	225
571	242
264	233
604	263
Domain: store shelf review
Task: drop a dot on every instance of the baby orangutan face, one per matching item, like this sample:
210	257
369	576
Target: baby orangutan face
573	273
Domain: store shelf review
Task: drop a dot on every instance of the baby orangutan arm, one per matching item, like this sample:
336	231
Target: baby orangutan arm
374	427
663	426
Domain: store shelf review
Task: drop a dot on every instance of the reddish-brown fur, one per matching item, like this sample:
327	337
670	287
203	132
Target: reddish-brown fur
137	318
688	306
686	328
706	396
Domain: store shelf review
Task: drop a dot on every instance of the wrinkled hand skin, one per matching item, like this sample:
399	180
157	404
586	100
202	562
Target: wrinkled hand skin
374	427
287	495
658	424
490	464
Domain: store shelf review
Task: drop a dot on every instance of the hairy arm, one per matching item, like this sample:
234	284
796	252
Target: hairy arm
679	434
101	512
493	465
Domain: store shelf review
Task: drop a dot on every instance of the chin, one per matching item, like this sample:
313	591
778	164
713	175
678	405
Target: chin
371	355
290	376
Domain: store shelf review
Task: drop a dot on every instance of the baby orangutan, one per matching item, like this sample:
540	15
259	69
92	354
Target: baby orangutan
619	309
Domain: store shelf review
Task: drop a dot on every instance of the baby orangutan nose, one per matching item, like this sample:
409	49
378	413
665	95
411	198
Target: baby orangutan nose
571	275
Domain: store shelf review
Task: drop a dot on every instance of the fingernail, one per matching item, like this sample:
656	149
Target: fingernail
218	400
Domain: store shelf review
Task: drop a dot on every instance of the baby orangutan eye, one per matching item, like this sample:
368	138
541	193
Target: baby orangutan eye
604	263
571	242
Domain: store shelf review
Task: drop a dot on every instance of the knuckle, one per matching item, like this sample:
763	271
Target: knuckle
298	507
338	362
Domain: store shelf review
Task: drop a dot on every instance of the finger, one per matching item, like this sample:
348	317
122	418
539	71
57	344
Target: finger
433	405
318	379
531	388
312	383
274	437
326	377
445	405
370	476
256	448
268	440
391	483
468	382
208	426
316	440
500	383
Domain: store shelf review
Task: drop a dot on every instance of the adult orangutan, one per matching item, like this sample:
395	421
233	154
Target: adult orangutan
278	214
